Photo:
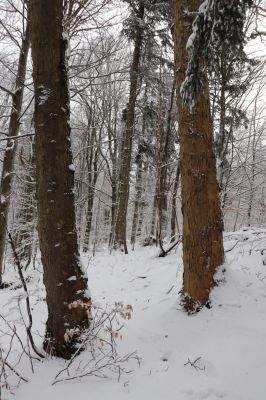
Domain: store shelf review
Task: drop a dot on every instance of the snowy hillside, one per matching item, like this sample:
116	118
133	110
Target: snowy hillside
218	353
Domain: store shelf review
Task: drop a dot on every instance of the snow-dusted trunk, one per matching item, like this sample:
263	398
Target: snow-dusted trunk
173	211
161	195
113	206
163	155
221	139
66	286
124	173
163	171
140	219
153	214
11	147
202	219
79	192
26	211
138	195
92	165
252	182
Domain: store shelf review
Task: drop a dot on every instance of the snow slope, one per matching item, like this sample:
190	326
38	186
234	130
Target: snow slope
225	344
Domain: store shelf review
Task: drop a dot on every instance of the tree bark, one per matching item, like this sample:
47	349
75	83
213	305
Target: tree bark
173	211
202	219
11	146
124	173
163	168
221	136
66	286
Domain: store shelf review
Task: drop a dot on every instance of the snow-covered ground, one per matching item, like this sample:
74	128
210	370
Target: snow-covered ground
219	353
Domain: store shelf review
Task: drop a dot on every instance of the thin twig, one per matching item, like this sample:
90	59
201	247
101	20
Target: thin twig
17	261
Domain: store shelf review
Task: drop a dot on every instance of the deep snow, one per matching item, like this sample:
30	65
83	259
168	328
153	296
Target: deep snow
228	340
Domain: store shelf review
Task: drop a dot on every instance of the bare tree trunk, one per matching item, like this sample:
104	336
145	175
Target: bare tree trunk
113	179
66	286
26	213
202	219
173	212
79	183
220	140
153	215
92	164
252	183
11	147
140	219
124	173
113	207
163	172
138	194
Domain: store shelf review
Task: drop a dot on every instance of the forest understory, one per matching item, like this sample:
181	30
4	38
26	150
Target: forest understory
218	353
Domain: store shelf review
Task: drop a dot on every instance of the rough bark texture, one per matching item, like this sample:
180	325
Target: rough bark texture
124	173
11	147
202	220
66	286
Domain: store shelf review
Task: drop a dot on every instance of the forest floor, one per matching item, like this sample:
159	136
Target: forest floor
219	353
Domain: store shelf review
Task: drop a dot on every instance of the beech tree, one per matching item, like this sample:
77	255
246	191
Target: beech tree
66	285
140	28
202	220
11	146
136	31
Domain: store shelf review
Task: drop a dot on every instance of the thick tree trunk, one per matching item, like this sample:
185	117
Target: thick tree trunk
124	173
11	147
202	219
66	286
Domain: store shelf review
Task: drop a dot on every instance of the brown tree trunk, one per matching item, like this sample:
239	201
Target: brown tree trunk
202	219
173	211
221	136
163	168
66	286
11	147
124	173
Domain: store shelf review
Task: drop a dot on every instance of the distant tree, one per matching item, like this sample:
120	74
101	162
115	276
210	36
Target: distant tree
135	31
25	213
7	176
139	28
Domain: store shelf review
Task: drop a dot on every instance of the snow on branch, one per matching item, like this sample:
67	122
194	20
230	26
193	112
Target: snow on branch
219	24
